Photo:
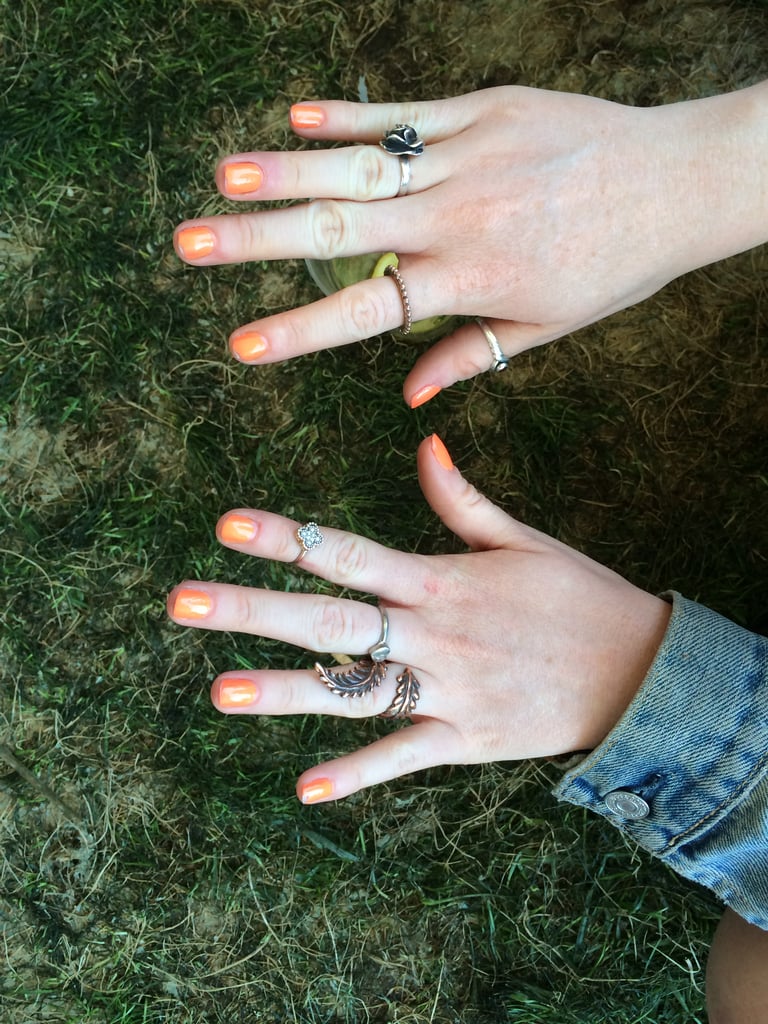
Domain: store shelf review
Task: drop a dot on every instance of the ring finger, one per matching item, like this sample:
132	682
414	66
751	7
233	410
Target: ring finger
359	173
323	229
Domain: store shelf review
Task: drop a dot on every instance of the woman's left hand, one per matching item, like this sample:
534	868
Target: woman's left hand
522	646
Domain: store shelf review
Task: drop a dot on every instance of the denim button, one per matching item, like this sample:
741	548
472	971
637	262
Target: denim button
626	805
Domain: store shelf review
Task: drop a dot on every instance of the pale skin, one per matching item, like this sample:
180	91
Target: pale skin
541	212
548	669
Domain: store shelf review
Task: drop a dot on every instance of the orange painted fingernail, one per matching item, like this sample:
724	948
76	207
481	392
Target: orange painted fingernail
423	395
313	792
440	452
249	346
192	604
237	529
244	177
237	693
195	243
304	115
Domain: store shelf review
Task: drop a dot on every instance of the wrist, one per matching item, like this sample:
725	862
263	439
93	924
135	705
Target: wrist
714	152
633	635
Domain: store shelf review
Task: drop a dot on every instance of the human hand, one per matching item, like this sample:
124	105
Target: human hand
522	646
539	211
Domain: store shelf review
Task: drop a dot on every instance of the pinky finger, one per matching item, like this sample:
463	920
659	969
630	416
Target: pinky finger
410	749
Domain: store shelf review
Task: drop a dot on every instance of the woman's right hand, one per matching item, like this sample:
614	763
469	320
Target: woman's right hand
539	211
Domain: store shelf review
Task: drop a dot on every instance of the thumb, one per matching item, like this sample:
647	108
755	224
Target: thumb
463	509
466	352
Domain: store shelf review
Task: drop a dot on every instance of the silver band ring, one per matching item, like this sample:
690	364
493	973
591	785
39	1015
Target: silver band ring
500	361
380	650
397	277
405	175
310	537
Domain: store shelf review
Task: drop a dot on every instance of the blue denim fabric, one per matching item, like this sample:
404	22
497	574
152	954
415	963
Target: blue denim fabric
693	744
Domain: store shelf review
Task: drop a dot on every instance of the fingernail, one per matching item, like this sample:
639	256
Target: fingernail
423	395
196	242
237	693
249	346
244	177
440	452
316	790
192	604
303	115
237	529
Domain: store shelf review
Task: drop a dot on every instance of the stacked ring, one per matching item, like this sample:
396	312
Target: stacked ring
369	672
403	142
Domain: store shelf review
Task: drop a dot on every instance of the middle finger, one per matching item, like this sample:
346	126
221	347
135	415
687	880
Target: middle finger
315	622
323	229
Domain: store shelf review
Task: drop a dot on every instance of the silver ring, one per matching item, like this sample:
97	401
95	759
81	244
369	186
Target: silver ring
500	361
310	537
380	650
405	176
397	277
403	141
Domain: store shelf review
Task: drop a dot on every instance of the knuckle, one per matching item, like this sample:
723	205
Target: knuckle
248	611
486	738
288	548
329	228
472	499
365	310
469	364
291	335
331	626
351	559
251	239
480	280
411	112
372	171
294	696
362	707
460	648
407	759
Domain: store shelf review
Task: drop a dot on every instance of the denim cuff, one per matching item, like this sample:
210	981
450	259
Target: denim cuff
685	770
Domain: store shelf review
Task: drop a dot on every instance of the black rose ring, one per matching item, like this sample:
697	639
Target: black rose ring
403	142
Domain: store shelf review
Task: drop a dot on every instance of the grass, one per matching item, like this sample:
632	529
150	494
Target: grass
184	883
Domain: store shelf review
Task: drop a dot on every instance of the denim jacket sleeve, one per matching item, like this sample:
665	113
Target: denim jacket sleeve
685	771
